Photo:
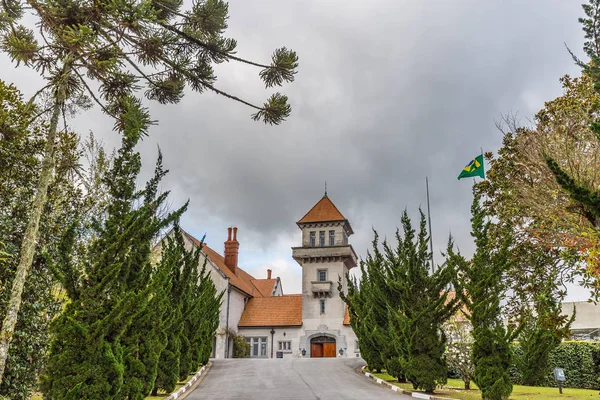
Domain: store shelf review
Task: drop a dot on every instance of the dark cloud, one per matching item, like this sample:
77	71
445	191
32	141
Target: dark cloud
388	92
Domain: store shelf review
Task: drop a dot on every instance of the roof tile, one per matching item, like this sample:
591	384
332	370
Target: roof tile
323	211
273	311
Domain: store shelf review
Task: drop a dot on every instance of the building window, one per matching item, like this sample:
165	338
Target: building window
322	302
356	348
321	238
331	238
258	346
344	238
322	275
285	346
312	239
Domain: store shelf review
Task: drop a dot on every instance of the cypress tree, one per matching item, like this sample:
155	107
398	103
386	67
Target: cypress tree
368	314
480	286
420	306
181	265
201	320
208	306
543	330
112	282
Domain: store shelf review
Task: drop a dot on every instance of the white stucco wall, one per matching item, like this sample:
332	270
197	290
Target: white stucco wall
291	334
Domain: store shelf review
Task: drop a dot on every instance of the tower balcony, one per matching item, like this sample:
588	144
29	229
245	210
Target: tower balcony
321	288
343	253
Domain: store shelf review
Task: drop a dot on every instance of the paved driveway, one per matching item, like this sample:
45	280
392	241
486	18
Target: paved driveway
277	379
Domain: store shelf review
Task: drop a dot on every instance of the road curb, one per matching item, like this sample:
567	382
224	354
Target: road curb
398	389
190	385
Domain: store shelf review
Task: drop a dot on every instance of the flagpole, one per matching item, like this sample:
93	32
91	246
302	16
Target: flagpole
429	218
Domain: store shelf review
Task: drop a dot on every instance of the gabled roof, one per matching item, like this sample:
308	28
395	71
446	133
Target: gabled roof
265	286
323	211
272	311
241	279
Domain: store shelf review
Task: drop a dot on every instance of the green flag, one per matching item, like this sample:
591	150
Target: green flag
474	168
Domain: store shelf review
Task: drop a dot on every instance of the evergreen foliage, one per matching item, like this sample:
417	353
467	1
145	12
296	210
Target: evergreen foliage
423	302
122	46
111	284
541	334
580	361
193	315
368	317
481	287
21	146
398	310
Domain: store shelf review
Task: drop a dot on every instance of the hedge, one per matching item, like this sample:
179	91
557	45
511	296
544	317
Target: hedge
580	361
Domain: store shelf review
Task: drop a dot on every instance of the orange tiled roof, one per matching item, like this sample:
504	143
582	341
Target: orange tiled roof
346	317
323	211
273	311
241	279
265	286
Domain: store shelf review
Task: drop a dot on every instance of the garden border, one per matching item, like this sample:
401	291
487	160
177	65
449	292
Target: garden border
398	389
190	385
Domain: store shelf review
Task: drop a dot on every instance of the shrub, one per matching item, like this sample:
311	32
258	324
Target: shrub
241	348
580	360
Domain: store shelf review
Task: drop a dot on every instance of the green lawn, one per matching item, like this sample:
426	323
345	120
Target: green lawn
160	395
454	389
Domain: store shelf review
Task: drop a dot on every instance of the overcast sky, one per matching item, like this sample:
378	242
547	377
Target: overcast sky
387	93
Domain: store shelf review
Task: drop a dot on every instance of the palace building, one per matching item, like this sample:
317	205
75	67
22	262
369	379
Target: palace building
314	323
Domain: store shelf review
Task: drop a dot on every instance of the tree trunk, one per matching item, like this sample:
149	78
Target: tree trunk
467	384
31	233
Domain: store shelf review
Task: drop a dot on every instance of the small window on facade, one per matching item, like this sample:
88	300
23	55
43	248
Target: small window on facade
322	275
322	306
331	238
321	238
285	346
356	348
312	239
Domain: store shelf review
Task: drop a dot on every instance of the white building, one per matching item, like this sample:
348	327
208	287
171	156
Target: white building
314	323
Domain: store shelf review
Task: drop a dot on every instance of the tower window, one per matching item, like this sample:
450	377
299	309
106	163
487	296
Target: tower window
312	239
331	238
322	238
322	303
322	275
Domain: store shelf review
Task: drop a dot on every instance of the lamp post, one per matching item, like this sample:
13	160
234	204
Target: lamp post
272	341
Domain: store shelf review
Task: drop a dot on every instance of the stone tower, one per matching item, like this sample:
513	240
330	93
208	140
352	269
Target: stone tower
325	256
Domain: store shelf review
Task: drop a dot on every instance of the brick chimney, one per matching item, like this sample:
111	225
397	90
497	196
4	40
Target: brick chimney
268	274
232	247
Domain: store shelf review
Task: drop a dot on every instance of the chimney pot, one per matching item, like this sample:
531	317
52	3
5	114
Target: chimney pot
231	250
268	274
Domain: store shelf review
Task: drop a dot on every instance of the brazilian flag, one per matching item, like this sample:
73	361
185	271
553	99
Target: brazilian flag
474	168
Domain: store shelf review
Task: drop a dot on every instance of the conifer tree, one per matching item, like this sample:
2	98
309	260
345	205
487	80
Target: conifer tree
201	320
204	318
181	265
123	46
480	286
112	282
367	316
543	330
421	305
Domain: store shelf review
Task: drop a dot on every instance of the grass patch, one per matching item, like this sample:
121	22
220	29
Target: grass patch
454	390
161	394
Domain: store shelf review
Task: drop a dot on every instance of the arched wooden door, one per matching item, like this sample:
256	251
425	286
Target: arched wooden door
322	346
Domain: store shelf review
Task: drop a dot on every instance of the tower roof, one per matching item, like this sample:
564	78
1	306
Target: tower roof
323	211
